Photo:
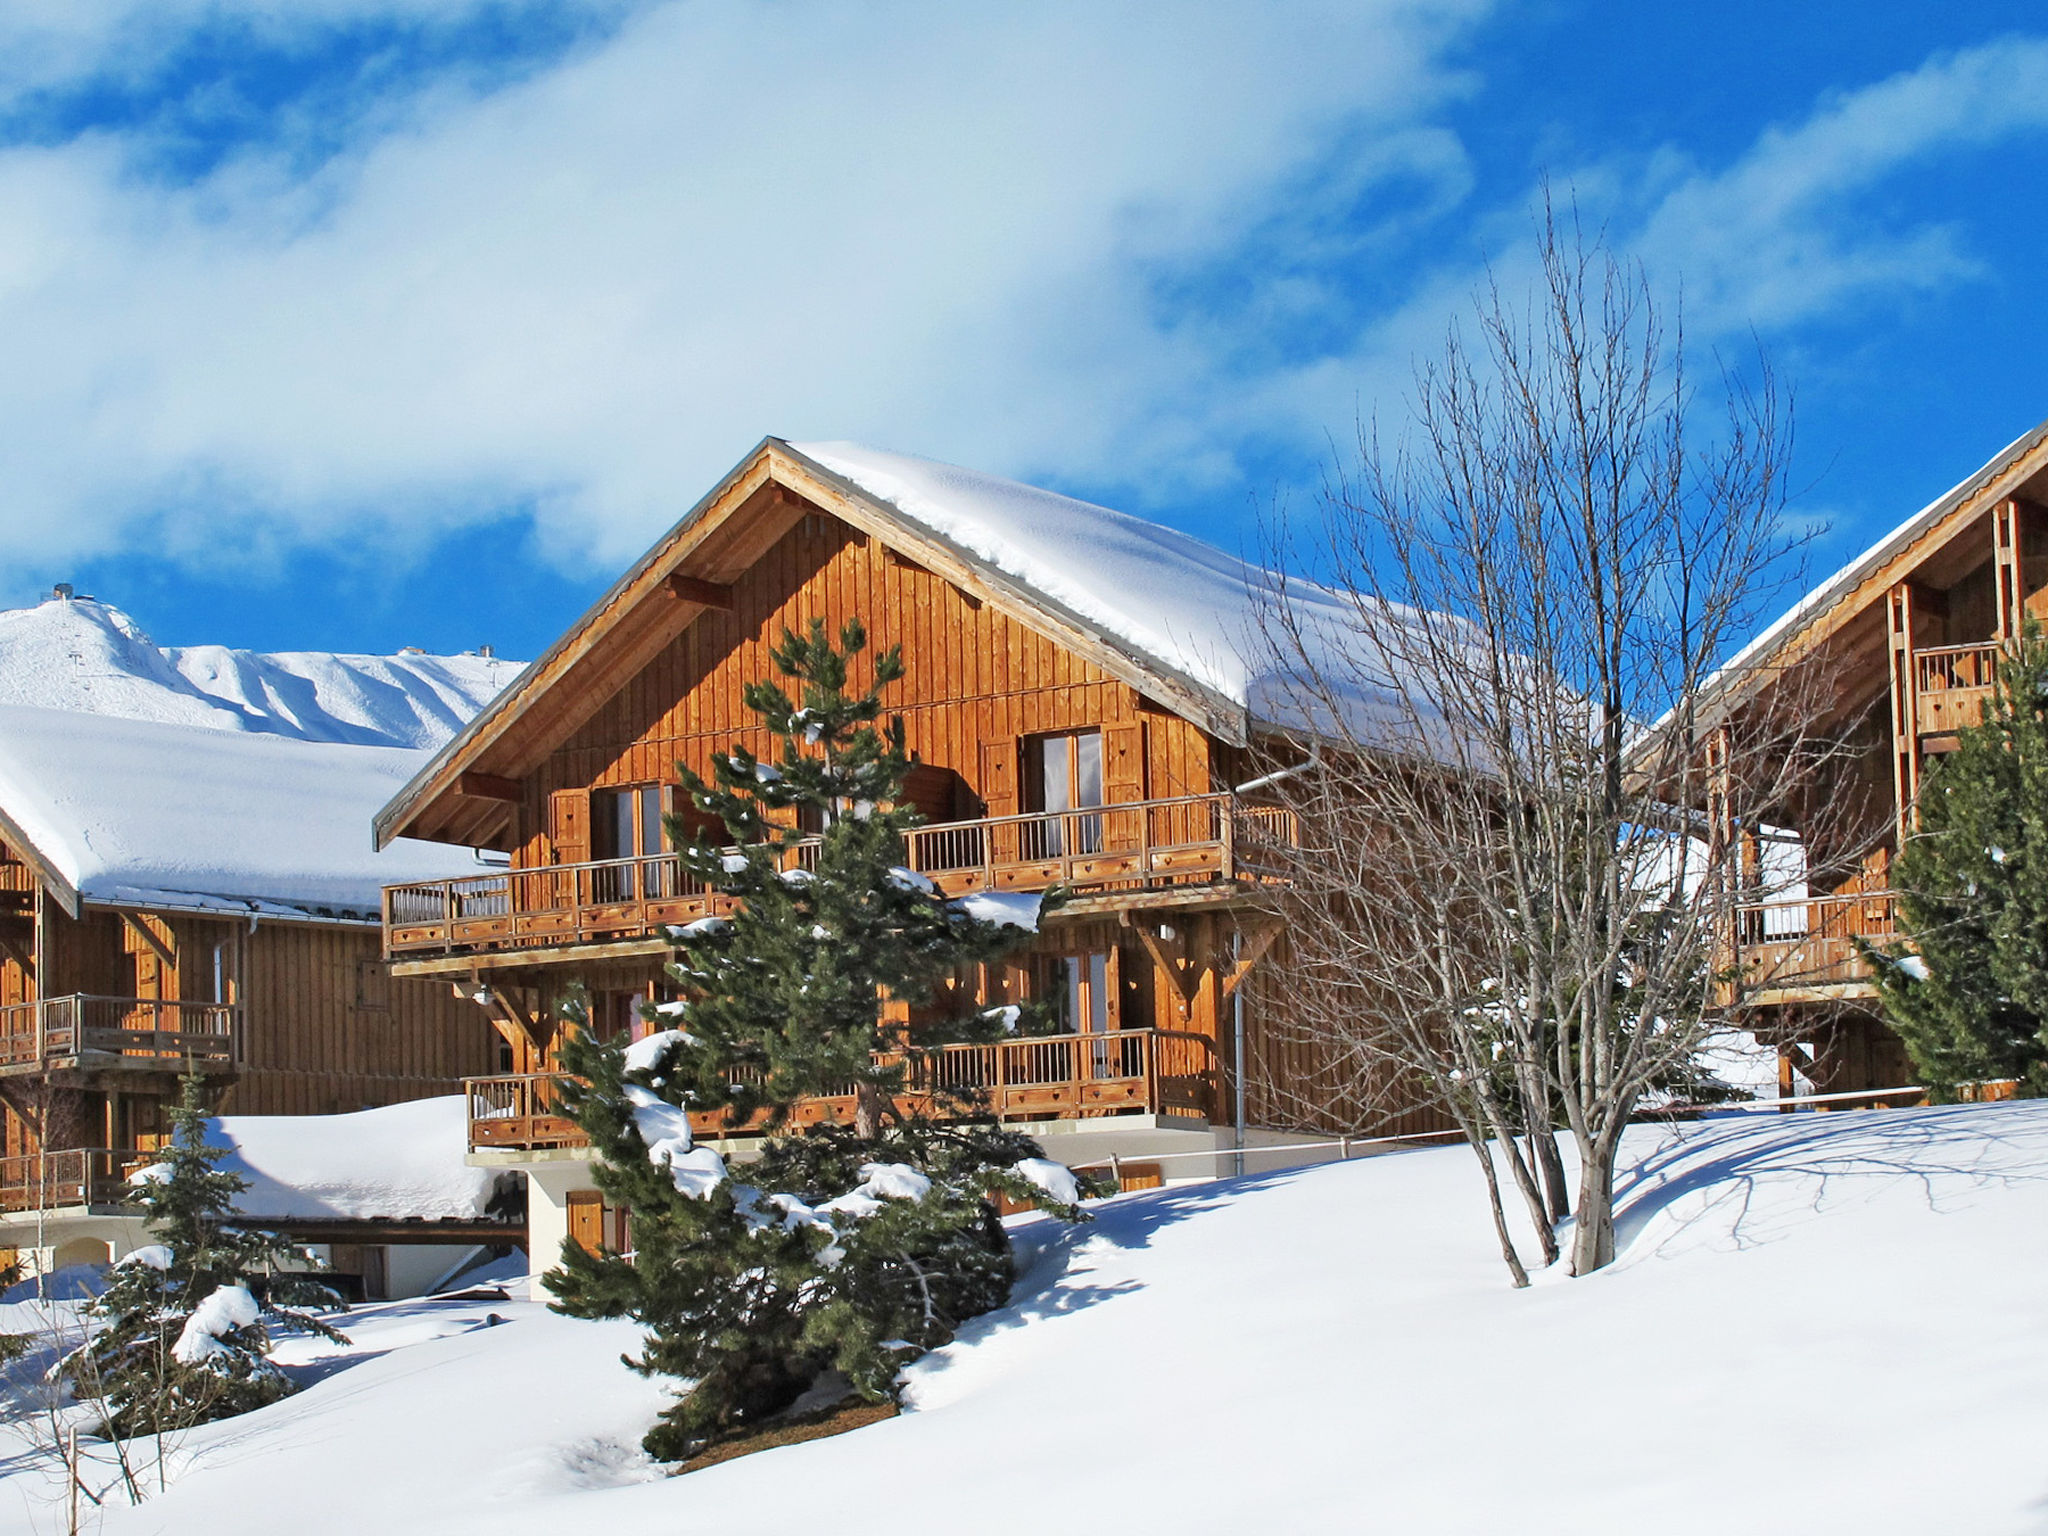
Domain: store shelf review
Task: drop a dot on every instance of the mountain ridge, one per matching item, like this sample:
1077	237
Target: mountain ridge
78	653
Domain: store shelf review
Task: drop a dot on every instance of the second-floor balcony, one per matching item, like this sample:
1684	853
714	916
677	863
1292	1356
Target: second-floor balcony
113	1033
1146	845
1808	948
1041	1077
1951	684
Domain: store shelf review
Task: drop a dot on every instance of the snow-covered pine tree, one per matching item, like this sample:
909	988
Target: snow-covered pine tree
1972	884
180	1335
854	1247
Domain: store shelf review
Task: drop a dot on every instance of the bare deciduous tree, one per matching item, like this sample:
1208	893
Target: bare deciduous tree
1517	862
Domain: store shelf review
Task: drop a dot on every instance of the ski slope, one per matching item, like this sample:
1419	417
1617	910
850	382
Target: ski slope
84	655
1818	1323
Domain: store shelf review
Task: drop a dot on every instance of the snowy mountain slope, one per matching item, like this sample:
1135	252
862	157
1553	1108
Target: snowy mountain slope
1819	1323
79	654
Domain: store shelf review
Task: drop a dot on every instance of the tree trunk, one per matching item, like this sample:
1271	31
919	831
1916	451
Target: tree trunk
867	1111
1500	1216
1539	1114
1593	1235
1550	1163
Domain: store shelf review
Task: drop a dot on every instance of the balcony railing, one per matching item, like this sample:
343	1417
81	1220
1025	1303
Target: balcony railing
119	1032
1951	683
1130	1071
48	1181
1146	845
1809	946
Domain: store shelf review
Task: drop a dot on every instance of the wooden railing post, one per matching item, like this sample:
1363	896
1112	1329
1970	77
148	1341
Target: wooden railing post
1228	862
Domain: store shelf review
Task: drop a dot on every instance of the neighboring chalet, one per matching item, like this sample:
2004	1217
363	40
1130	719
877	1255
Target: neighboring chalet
1080	702
176	898
1910	635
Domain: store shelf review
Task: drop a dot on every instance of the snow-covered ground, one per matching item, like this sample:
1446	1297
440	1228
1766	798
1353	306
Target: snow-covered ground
1818	1323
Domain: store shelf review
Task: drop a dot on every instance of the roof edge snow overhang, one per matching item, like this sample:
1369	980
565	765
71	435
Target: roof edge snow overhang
66	894
602	648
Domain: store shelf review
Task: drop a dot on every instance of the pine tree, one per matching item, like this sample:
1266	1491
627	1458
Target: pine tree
181	1334
1968	991
856	1246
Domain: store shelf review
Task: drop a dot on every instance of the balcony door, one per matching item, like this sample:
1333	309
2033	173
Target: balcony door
1063	774
626	824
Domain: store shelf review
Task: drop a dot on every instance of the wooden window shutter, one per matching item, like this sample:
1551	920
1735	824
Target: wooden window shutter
1123	763
586	1220
999	776
569	825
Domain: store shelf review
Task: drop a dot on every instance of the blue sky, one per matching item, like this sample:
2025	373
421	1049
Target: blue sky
352	324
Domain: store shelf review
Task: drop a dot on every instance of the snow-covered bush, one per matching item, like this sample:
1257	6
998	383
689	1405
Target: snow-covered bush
182	1332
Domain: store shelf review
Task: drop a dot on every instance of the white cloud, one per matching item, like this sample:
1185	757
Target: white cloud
588	291
1790	231
592	289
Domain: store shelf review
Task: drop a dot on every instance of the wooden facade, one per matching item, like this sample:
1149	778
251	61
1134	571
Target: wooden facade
1913	634
101	1013
1049	754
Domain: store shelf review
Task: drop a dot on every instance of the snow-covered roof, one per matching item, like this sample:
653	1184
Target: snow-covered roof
1185	602
1176	618
81	654
402	1161
145	813
1190	607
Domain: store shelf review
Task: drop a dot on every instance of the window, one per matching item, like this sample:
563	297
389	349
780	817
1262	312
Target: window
1082	990
627	824
1063	774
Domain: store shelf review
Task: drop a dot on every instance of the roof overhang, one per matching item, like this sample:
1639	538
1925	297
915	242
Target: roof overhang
458	797
1851	591
61	890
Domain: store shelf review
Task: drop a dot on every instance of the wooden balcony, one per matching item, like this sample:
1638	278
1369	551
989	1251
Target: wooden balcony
1793	950
116	1033
1131	1071
83	1176
1951	684
1148	845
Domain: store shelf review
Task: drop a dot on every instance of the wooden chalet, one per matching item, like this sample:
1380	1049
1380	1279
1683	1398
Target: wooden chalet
1080	705
172	899
1909	635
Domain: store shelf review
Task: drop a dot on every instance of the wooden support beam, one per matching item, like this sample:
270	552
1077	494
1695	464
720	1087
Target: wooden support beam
2007	587
475	785
1186	977
1251	949
693	589
20	955
515	1025
1905	684
147	934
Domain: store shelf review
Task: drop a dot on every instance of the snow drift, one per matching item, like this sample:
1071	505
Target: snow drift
1817	1323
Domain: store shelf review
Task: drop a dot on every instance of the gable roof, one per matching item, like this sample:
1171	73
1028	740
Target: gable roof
171	817
1864	581
1173	617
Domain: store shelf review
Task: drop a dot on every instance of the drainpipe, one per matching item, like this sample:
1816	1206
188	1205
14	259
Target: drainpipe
1315	760
1237	1052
